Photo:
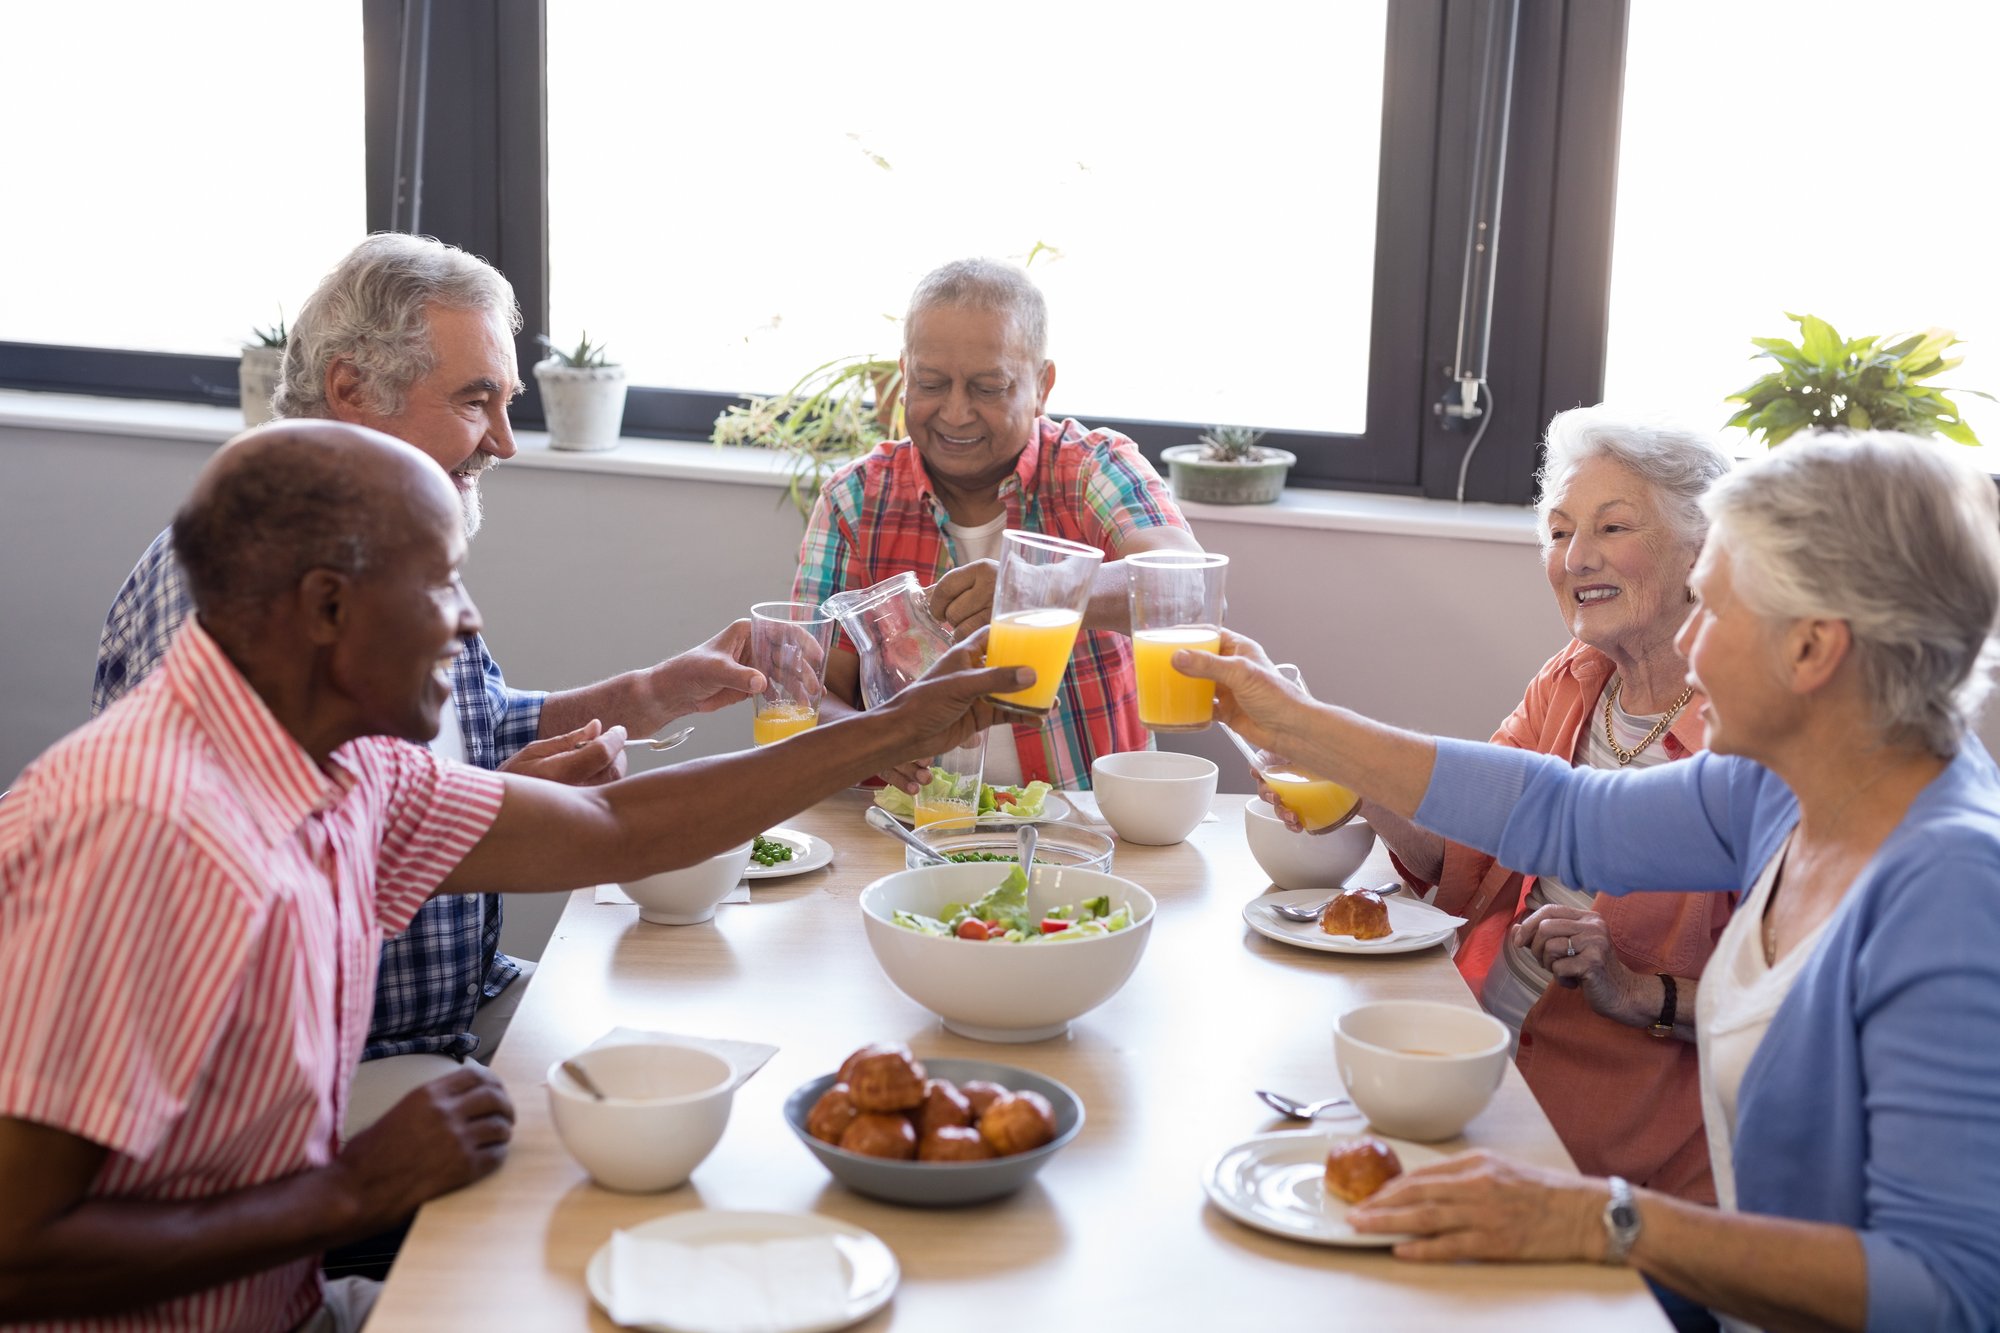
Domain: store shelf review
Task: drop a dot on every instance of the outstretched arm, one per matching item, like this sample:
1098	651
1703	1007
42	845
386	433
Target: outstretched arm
709	676
548	837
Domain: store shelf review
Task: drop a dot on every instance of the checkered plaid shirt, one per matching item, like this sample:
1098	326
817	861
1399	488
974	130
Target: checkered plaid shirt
435	974
877	517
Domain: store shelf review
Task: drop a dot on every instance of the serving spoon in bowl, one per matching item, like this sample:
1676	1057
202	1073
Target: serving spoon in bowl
881	819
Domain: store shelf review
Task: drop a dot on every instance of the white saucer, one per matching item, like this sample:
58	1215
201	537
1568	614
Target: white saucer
1413	925
1277	1183
808	853
872	1272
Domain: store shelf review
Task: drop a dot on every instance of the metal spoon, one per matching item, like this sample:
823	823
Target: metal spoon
883	820
1291	913
582	1080
1024	849
666	742
1299	1110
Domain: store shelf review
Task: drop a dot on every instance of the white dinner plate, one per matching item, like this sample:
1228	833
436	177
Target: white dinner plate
808	853
1413	925
1277	1183
1053	807
872	1272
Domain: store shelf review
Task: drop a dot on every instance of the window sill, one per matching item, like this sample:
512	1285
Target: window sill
685	460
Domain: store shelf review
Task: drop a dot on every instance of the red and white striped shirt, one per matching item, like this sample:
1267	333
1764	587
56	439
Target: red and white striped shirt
190	916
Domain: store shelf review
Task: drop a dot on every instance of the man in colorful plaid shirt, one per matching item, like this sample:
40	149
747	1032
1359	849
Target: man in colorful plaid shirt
415	338
981	458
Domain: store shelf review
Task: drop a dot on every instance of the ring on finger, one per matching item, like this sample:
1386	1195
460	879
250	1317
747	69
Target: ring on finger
1572	947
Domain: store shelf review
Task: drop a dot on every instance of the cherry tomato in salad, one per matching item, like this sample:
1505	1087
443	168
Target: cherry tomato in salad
972	930
1050	925
1001	797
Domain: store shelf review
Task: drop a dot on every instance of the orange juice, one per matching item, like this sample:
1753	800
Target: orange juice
776	721
930	811
1038	639
1318	803
1168	700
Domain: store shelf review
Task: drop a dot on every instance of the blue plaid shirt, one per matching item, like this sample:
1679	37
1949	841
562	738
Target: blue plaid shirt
436	973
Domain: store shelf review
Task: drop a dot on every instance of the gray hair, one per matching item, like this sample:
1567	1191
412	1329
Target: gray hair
986	284
1897	536
373	310
1678	462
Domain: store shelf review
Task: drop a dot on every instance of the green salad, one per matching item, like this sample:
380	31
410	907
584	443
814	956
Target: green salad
1003	915
1022	802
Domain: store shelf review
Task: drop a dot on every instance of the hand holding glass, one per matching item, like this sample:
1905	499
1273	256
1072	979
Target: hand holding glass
951	792
1038	606
1176	601
788	643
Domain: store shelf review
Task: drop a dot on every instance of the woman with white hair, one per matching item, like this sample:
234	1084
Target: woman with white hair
1600	991
1846	597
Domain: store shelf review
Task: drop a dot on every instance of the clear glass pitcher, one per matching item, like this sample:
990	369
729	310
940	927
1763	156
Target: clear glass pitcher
893	630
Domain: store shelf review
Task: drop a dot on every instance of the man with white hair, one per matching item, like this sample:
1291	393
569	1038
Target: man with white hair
414	338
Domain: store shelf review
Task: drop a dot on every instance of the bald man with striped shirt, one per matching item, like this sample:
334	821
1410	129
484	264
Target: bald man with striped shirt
194	889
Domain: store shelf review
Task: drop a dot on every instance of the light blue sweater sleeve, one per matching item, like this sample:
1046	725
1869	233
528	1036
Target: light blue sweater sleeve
1684	826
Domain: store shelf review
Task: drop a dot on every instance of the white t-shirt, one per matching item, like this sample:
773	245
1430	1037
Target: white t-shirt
1003	763
449	743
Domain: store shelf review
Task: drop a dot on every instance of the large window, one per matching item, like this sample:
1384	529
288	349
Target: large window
176	174
1195	193
1826	160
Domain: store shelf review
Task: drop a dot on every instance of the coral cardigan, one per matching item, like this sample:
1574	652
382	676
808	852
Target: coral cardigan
1624	1101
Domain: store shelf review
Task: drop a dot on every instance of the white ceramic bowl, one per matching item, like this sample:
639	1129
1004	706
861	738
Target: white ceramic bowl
1304	860
1003	992
1419	1069
1155	797
686	896
664	1110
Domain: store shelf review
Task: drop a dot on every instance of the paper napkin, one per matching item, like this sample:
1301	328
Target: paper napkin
731	1287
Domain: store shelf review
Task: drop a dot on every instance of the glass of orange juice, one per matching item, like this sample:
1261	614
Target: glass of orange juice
788	643
953	791
1038	606
1176	601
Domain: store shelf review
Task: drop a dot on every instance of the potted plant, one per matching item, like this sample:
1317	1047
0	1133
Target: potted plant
257	374
1826	382
583	396
1226	466
835	412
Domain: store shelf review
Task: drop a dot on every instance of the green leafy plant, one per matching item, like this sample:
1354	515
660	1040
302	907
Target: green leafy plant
1826	382
271	337
835	412
1230	444
587	356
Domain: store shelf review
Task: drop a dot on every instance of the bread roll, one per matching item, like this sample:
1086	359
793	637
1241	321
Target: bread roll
1357	1167
1357	912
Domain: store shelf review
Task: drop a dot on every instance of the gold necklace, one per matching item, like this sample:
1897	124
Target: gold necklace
1626	756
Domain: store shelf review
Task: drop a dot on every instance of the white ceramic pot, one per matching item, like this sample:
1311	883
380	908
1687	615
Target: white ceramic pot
1003	992
1153	797
1304	860
257	379
688	896
584	408
664	1110
1419	1069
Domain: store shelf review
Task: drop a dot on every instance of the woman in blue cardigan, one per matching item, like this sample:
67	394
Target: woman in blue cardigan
1849	1022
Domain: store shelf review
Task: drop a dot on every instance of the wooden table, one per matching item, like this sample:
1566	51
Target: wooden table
1115	1232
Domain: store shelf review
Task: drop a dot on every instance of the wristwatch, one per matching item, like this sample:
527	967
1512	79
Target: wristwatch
1663	1026
1621	1222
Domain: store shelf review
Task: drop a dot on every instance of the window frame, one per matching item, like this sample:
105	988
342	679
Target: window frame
482	81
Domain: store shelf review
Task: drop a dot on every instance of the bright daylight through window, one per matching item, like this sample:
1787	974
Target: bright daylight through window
199	168
1834	167
737	195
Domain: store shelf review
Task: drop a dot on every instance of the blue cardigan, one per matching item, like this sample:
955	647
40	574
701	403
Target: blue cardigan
1874	1099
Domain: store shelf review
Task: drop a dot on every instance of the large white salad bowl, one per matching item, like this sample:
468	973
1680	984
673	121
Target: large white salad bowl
991	991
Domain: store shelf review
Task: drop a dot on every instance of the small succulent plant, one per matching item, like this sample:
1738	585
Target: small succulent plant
587	356
271	337
1230	444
